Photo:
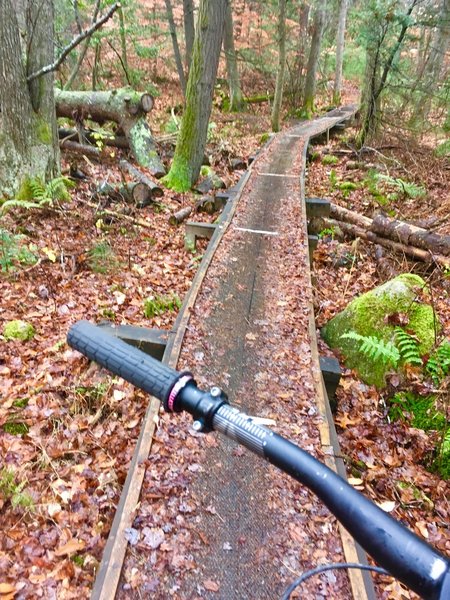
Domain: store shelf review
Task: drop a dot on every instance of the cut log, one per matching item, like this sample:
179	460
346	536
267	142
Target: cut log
125	107
180	216
138	193
206	204
156	190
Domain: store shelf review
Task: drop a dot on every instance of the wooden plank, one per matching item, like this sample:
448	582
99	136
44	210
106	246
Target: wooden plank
150	341
108	575
360	582
317	207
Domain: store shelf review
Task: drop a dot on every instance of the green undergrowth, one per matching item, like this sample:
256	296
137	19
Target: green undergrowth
13	490
15	251
157	305
426	413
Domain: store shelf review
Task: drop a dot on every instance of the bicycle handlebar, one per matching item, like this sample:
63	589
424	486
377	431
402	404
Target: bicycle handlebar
410	559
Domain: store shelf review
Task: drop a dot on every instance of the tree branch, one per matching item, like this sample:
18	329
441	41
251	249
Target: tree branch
74	43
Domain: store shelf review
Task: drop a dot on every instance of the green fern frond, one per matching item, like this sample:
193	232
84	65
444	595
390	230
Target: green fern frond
375	349
408	347
438	364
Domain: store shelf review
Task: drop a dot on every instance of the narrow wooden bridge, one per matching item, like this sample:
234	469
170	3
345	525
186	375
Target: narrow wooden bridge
243	530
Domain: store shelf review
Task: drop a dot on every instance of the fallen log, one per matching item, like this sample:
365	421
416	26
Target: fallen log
93	137
80	148
125	107
349	216
398	231
155	189
410	234
179	216
134	192
407	250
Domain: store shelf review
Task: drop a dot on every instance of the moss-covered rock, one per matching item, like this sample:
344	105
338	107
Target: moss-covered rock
18	330
377	313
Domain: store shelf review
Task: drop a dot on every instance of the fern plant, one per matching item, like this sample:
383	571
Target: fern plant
40	194
438	365
408	347
406	188
375	349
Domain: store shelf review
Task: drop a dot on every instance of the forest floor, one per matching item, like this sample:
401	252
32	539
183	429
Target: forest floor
68	432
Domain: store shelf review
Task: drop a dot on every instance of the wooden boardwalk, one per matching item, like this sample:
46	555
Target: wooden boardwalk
243	328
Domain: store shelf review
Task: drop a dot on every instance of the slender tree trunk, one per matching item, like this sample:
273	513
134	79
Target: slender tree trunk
189	30
123	44
236	98
343	8
432	67
313	61
83	50
375	89
276	108
191	141
176	48
28	133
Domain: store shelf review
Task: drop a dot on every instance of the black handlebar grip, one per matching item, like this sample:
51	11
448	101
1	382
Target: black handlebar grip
124	360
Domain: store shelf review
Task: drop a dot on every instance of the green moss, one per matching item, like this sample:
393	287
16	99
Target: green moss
179	176
18	330
368	315
15	428
330	159
24	192
43	131
264	137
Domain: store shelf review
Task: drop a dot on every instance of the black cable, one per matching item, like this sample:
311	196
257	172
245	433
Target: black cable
329	567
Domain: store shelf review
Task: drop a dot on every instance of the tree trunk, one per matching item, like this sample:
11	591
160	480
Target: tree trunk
343	8
432	67
191	142
28	133
83	50
375	88
189	30
236	98
313	61
276	108
176	48
125	107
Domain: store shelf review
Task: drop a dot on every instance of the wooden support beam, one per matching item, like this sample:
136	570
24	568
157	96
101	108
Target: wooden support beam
317	207
331	373
313	240
197	230
150	341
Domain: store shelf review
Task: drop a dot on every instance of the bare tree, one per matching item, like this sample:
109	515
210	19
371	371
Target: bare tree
236	99
313	60
189	29
191	141
176	48
276	108
343	8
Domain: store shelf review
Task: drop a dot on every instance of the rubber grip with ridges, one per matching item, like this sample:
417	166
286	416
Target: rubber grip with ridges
124	360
